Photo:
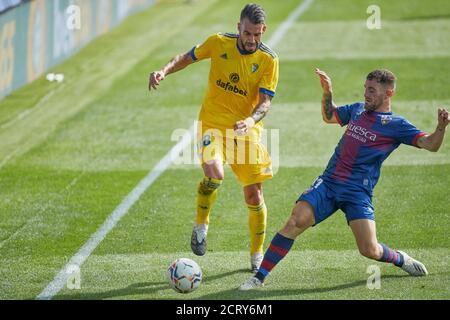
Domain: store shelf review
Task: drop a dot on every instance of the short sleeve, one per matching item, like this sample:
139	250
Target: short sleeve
407	133
269	81
343	114
204	50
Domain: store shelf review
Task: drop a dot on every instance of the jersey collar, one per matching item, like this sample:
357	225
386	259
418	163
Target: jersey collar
243	51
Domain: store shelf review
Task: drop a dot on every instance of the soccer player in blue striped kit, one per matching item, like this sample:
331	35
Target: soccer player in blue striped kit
372	133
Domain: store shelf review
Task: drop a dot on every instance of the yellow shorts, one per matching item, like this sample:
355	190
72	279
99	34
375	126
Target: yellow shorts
249	160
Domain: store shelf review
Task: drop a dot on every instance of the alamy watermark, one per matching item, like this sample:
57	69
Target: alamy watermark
374	279
374	20
211	144
73	20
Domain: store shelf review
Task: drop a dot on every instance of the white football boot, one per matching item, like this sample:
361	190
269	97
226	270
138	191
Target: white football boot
412	266
250	284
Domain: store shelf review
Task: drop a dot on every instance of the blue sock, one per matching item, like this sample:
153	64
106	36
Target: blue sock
278	249
391	256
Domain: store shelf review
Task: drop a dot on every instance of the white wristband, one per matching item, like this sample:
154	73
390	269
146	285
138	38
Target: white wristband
250	122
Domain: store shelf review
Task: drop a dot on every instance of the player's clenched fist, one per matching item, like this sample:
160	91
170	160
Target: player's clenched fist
241	127
155	78
443	118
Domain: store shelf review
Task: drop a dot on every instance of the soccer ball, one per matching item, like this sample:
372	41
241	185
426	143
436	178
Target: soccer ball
184	275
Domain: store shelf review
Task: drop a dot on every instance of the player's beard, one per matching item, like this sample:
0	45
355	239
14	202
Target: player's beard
373	105
244	46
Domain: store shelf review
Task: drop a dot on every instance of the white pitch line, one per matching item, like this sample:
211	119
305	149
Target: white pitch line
284	27
80	257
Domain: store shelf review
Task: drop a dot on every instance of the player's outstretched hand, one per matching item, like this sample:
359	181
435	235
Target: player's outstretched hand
155	78
443	118
325	81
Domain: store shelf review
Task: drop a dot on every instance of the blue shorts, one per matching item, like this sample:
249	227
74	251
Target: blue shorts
327	197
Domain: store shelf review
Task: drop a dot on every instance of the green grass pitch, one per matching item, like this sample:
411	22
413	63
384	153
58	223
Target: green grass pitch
71	152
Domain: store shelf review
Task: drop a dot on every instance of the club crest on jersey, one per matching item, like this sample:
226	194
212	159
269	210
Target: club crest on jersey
385	119
224	56
255	67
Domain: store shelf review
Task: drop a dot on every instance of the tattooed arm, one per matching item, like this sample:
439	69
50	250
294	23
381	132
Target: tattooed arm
328	105
179	62
262	108
260	111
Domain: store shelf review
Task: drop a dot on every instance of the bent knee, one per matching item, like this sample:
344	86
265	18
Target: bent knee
254	199
370	251
303	215
253	195
300	219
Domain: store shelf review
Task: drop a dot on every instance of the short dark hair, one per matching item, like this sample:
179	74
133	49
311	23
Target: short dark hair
254	13
383	76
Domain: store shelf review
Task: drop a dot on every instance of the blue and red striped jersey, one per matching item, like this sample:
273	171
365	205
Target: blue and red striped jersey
369	139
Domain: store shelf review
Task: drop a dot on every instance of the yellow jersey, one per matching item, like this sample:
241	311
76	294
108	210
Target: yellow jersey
235	79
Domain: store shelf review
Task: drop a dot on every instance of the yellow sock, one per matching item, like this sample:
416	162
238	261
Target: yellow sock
206	195
257	218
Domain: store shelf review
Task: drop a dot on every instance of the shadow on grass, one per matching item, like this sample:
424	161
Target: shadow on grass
431	17
266	292
151	289
142	288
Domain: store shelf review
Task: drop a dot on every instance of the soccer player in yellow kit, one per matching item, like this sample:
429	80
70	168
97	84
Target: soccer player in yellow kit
242	81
